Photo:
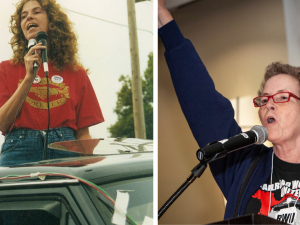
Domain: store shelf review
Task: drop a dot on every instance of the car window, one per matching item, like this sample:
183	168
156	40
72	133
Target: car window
46	212
140	193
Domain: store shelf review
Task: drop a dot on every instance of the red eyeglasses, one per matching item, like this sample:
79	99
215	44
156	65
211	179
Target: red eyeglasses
280	97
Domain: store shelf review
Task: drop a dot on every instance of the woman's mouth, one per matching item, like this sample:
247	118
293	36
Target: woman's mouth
270	120
31	25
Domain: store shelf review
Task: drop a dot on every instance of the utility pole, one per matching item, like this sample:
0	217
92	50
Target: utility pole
137	97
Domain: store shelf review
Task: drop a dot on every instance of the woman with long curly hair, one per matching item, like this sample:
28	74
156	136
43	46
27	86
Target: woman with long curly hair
23	96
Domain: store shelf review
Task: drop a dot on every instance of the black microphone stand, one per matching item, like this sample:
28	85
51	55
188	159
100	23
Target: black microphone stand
197	171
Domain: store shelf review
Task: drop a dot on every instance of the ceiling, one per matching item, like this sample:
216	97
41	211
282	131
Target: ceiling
172	4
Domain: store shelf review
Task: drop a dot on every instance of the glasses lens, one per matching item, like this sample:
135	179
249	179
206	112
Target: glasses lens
281	97
259	101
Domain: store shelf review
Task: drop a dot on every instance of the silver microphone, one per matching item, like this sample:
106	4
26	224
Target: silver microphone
218	149
261	133
31	43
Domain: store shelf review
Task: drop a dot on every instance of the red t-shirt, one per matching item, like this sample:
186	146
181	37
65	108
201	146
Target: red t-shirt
72	99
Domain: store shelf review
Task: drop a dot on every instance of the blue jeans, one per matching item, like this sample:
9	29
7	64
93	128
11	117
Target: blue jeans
24	146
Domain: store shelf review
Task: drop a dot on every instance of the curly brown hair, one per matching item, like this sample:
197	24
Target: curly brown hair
279	68
63	41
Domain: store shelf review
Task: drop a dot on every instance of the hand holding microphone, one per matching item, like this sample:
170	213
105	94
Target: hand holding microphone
33	59
31	43
42	37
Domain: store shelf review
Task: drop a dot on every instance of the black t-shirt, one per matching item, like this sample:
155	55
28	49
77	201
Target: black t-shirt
285	192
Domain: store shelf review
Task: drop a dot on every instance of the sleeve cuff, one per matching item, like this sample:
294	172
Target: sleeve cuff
170	35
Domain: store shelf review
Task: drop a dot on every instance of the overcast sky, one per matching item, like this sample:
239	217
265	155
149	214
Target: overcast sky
103	45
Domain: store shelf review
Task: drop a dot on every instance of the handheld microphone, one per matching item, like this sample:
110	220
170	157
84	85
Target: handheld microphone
42	37
31	43
218	149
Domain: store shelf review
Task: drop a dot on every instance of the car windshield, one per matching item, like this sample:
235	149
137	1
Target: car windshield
104	146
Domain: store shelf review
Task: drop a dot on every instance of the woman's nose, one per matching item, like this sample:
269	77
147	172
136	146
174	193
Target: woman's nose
270	104
29	16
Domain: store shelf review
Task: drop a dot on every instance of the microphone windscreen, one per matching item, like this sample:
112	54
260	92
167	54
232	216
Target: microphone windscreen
262	134
31	43
41	36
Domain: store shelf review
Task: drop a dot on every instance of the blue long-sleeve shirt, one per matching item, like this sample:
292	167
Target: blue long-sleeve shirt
211	117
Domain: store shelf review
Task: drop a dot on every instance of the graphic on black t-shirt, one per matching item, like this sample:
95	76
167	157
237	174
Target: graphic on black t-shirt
279	199
286	208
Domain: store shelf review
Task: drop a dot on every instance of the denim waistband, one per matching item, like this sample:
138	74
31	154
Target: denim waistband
60	131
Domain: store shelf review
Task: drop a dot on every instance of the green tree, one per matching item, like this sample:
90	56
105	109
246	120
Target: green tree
124	127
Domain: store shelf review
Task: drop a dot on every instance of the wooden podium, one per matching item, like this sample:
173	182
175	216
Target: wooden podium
250	219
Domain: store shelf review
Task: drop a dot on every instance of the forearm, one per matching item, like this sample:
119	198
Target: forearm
164	16
9	110
83	133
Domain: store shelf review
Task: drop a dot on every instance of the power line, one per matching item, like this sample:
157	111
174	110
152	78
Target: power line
119	24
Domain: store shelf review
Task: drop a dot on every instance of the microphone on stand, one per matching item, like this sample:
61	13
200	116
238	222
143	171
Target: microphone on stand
218	149
215	150
42	37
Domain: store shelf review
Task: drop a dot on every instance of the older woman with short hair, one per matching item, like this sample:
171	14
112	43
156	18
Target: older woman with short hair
255	179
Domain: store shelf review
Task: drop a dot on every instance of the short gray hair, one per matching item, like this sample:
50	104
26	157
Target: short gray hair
276	68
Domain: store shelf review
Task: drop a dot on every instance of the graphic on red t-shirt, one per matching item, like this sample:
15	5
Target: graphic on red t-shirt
58	94
72	99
